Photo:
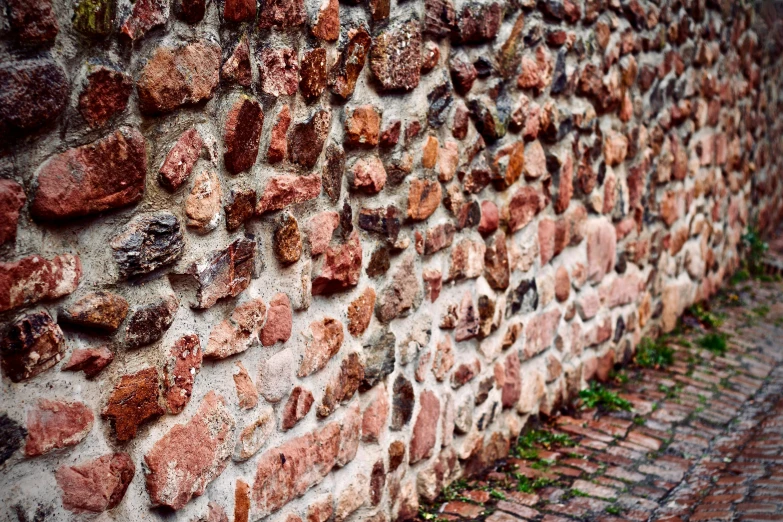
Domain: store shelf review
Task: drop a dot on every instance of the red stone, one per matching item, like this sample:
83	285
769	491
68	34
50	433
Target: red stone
327	22
179	372
177	76
425	428
339	268
239	10
105	95
540	332
395	58
100	310
345	73
224	273
423	198
512	384
433	283
601	249
319	230
53	425
278	142
191	11
90	360
324	341
289	470
146	15
180	160
240	207
134	401
31	345
246	390
279	71
375	415
190	456
105	174
297	407
12	199
288	189
478	22
96	485
278	321
360	312
362	126
399	295
368	175
313	73
342	386
33	21
489	217
239	332
241	134
562	284
237	67
281	13
35	278
526	203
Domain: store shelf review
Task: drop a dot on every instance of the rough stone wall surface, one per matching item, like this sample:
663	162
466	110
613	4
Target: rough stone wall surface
302	259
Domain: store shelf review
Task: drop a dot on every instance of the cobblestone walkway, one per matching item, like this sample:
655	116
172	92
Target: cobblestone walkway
703	441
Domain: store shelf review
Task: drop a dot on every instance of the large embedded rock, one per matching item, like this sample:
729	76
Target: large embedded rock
145	15
52	425
425	428
601	249
400	294
224	273
379	357
105	174
99	310
134	401
181	367
96	485
239	332
323	342
180	160
288	189
177	76
202	205
148	323
242	134
190	456
279	321
345	73
342	386
33	93
148	242
33	21
105	95
89	360
306	139
395	58
339	268
31	345
33	279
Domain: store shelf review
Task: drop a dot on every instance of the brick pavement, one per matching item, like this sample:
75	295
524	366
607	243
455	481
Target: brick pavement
704	440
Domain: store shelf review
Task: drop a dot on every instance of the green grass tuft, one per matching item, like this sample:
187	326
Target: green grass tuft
714	342
654	354
596	396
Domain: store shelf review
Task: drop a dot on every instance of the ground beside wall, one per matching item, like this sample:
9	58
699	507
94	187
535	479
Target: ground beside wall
311	259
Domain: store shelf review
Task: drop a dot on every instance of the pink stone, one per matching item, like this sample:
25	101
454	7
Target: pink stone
89	360
278	140
325	340
279	321
279	71
512	382
297	407
179	373
240	332
55	424
368	175
489	217
375	415
246	390
535	160
601	249
340	268
288	189
526	203
190	456
623	290
433	282
146	15
615	148
588	304
35	278
540	332
399	295
181	159
319	230
425	428
12	199
562	284
96	485
546	240
202	205
448	160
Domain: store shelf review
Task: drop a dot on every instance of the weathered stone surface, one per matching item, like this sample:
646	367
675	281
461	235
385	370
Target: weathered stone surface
319	230
133	402
439	17
180	370
281	13
326	25
306	139
496	267
467	260
33	93
385	221
180	160
202	206
438	237
339	268
368	175
100	310
379	357
512	385
287	471
97	485
323	342
287	240
253	436
278	322
478	22
146	243
105	95
540	332
237	68
147	324
524	298
239	10
239	207
342	386
400	294
395	57
601	248
313	73
526	203
145	16
33	279
360	312
403	402
54	424
334	165
278	70
468	322
12	199
33	21
106	174
190	456
89	360
288	189
375	415
242	134
178	76
423	198
362	127
297	407
246	389
31	345
465	373
94	18
425	428
238	333
344	74
224	273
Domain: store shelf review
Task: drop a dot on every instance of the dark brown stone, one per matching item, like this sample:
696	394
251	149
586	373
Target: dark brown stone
395	58
439	17
12	199
145	16
31	345
33	93
103	175
105	95
191	11
147	242
478	22
100	310
326	25
333	170
237	68
306	139
33	21
287	240
147	324
239	10
242	134
133	402
344	73
240	207
385	221
313	73
403	402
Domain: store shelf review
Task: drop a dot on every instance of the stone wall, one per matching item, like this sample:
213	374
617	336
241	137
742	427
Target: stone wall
302	259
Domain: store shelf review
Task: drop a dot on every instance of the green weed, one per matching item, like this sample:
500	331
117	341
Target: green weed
654	354
598	396
714	342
